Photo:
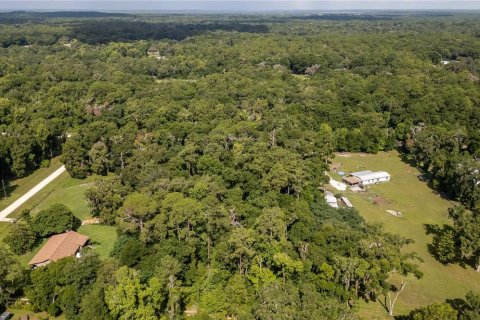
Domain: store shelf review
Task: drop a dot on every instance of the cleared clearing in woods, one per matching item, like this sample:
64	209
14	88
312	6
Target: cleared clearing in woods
419	205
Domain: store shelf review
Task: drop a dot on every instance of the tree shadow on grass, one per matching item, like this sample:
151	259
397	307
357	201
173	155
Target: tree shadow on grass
435	229
9	189
439	231
406	158
457	304
423	176
383	303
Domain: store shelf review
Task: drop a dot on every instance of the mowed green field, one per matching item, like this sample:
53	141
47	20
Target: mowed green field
419	205
67	191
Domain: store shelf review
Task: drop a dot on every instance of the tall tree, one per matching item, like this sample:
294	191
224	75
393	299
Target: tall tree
137	209
12	276
129	299
466	225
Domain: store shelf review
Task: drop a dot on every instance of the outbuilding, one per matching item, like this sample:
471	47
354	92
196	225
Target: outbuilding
347	202
368	177
352	181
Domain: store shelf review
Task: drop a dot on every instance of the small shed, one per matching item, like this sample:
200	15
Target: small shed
352	181
347	202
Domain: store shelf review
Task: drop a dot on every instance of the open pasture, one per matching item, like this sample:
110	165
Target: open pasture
419	206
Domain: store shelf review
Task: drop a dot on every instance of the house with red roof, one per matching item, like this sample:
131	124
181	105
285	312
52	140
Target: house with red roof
68	244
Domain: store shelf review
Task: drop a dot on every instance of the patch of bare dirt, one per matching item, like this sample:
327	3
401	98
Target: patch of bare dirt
344	154
394	213
90	221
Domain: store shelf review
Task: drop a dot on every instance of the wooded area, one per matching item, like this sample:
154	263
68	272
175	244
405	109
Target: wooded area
213	135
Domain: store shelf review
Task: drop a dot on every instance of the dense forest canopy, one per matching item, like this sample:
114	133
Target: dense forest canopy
212	135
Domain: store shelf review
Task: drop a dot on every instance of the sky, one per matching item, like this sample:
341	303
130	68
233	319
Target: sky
236	5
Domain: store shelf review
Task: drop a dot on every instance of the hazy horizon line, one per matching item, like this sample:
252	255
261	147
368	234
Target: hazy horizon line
237	6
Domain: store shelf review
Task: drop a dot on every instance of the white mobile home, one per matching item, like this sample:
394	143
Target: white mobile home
369	177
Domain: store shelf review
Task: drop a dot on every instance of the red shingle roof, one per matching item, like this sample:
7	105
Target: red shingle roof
59	246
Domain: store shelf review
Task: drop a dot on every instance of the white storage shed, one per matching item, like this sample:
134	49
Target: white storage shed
369	177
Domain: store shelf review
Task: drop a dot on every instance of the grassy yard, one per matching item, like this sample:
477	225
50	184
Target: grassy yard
419	205
102	238
18	314
65	190
4	226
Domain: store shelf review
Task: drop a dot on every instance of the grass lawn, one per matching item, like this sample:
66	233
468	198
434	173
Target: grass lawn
65	190
419	205
17	314
19	187
4	227
102	238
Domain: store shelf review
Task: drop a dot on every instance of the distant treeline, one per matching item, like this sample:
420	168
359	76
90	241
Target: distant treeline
95	32
25	16
114	30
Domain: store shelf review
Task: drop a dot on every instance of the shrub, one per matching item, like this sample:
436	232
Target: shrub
54	220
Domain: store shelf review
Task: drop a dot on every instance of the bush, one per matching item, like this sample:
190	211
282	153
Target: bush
437	311
128	251
444	246
54	220
21	239
45	163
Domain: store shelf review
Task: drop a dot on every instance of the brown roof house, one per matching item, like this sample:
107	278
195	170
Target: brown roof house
59	246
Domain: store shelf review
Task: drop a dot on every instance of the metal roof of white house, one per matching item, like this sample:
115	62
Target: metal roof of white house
359	173
369	175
